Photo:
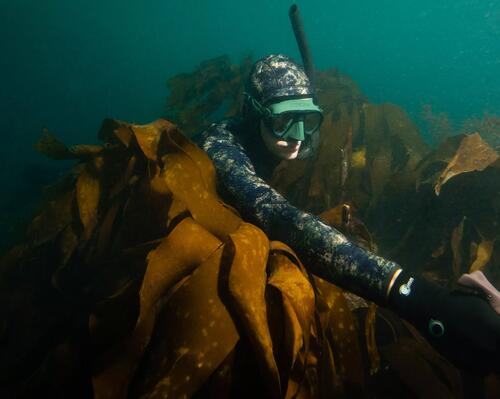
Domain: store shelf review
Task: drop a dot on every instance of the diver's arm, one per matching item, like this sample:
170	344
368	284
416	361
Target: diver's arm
325	251
463	327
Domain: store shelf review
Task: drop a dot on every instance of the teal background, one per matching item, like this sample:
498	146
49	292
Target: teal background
67	65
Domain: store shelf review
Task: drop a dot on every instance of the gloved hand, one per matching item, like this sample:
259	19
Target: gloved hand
460	325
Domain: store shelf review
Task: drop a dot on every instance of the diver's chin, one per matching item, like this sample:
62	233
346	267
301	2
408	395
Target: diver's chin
286	149
289	154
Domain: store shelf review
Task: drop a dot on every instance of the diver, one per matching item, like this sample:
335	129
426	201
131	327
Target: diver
280	119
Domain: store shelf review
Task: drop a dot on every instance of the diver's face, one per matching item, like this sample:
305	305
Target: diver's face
284	149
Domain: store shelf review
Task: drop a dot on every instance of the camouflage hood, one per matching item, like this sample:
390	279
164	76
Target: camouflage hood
271	79
277	76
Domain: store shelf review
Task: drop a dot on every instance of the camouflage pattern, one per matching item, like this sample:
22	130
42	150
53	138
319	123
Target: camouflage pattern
277	76
326	252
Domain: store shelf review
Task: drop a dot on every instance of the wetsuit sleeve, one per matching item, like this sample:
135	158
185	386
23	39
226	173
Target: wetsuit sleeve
323	249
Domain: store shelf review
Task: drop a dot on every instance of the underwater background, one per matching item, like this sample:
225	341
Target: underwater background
68	65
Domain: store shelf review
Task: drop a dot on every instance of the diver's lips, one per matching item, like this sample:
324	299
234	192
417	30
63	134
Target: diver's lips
289	150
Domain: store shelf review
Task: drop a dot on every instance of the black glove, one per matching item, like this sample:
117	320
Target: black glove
460	325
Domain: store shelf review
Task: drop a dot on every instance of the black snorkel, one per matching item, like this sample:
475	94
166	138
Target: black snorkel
300	36
305	54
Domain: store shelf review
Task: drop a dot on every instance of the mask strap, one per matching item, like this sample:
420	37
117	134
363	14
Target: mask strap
257	106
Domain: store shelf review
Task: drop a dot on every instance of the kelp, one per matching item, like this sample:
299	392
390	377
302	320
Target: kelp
53	148
473	155
288	276
381	151
456	211
376	145
172	295
380	155
197	289
440	127
373	163
488	126
211	92
155	287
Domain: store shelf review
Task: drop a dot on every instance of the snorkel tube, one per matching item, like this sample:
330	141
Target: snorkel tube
300	36
305	53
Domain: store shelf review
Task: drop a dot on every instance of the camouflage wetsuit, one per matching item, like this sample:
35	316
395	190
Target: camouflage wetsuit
327	252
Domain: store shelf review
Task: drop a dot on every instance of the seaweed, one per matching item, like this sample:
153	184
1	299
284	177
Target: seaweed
439	126
488	126
152	295
211	92
136	280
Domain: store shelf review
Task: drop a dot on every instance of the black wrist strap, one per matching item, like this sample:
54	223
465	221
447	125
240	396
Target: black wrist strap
414	298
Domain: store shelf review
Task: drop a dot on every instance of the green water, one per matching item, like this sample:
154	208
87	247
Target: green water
67	65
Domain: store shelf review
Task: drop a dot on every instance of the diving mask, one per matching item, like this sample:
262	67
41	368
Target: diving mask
291	119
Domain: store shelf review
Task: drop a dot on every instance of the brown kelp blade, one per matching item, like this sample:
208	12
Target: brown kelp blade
88	193
50	146
483	255
185	248
474	154
52	219
186	175
247	280
149	137
176	142
193	336
343	338
298	308
416	366
287	275
371	343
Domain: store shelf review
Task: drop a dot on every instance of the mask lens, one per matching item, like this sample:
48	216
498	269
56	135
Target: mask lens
312	121
281	123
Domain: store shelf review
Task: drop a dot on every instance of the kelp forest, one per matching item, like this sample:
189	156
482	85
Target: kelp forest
135	280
